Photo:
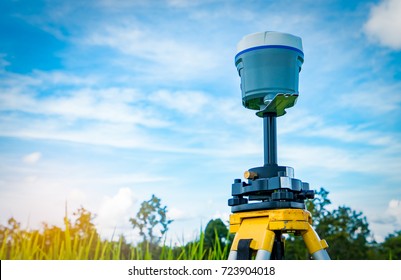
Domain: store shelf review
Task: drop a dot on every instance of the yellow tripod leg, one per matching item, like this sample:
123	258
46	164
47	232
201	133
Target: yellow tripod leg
258	227
253	227
315	246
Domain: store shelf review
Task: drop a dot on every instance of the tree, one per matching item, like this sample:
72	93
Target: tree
216	231
295	248
391	247
83	225
317	206
345	230
151	217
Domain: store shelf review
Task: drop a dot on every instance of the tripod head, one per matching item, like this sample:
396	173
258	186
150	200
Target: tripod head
269	64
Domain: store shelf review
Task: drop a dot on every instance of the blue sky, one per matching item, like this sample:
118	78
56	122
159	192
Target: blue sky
104	103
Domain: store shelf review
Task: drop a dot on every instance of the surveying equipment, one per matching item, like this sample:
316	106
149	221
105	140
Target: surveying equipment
271	202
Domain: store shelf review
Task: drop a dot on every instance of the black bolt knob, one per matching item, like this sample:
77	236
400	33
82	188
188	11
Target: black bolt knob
310	194
285	196
236	200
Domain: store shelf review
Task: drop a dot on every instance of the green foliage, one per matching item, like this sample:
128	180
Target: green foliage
216	234
151	215
318	206
83	225
391	247
345	230
294	246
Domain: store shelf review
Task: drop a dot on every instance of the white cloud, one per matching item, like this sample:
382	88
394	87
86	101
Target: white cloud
176	214
60	78
121	4
376	99
3	62
185	3
77	110
115	135
384	23
388	221
394	211
32	158
44	80
224	216
304	123
166	58
333	161
185	102
114	116
115	211
77	197
351	134
81	119
105	105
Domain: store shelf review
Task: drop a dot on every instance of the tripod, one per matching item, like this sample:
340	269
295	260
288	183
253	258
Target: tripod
279	207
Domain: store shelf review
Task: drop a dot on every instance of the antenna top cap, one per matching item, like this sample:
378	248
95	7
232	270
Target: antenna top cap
269	64
269	38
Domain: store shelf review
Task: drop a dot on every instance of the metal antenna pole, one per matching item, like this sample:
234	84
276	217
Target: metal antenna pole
270	138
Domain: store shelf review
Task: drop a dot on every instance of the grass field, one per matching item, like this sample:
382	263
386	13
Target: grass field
68	244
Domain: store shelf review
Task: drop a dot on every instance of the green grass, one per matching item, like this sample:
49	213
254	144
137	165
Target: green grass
68	244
